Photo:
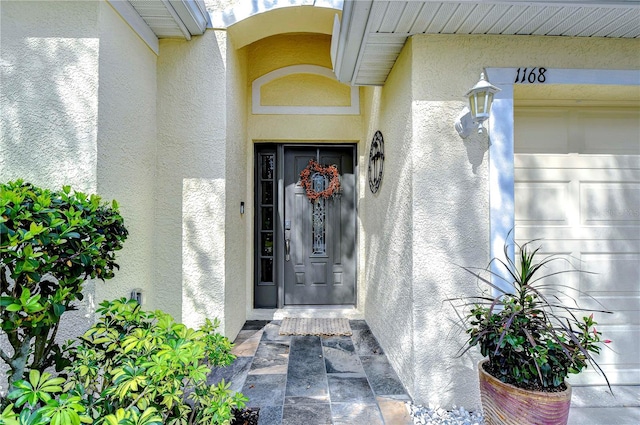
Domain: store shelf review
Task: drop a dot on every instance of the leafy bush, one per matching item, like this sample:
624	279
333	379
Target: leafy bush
133	358
533	339
40	402
132	368
50	244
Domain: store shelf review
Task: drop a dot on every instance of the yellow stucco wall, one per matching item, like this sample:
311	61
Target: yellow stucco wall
238	236
387	219
191	184
284	50
305	90
78	108
450	197
126	148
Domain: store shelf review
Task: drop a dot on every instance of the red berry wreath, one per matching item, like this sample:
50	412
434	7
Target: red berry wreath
330	171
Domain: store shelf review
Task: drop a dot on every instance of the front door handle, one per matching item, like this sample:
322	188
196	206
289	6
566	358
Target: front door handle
287	249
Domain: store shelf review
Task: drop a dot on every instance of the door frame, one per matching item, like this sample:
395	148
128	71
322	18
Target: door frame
278	243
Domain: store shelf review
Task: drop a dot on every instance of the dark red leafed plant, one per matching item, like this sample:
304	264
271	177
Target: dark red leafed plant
533	331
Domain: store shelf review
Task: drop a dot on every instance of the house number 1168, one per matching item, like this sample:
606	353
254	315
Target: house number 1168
533	75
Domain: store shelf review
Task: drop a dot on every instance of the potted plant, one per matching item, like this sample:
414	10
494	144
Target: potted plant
533	333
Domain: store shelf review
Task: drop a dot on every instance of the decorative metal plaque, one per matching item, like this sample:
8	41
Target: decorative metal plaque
376	162
319	215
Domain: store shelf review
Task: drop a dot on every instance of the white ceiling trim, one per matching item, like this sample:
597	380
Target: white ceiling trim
154	19
373	32
137	24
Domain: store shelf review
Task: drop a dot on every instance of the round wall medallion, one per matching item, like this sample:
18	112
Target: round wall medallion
376	162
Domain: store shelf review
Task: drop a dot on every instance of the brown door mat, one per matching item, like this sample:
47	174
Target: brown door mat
322	327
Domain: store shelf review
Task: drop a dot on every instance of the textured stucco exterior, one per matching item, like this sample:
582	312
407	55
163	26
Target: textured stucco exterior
387	220
190	269
238	236
126	148
77	107
281	51
85	102
448	191
49	93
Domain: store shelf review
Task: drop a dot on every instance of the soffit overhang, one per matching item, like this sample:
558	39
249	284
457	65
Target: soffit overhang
372	33
165	18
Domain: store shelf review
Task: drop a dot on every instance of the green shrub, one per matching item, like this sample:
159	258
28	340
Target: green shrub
132	367
50	244
133	358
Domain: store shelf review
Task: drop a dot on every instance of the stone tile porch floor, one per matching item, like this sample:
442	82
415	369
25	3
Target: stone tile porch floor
309	380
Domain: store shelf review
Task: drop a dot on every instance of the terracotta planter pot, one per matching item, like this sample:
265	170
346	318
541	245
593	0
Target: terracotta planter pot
505	404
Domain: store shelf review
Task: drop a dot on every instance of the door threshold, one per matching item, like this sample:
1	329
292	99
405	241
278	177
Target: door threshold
311	312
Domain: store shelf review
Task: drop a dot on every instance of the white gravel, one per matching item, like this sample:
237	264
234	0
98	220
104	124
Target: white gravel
434	415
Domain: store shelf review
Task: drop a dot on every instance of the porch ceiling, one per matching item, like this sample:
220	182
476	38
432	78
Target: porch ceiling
372	32
170	18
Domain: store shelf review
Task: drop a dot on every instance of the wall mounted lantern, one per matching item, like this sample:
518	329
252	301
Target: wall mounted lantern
480	100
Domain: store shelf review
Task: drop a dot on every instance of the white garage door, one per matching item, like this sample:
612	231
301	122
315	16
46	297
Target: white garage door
577	186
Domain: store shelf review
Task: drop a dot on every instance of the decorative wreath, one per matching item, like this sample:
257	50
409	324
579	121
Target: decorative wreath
330	171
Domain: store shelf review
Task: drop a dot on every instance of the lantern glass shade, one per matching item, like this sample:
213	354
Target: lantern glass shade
480	99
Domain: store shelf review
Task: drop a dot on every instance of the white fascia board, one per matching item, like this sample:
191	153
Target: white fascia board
193	14
137	24
351	36
177	19
585	3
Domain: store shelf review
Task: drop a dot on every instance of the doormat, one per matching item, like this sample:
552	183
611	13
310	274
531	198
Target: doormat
321	327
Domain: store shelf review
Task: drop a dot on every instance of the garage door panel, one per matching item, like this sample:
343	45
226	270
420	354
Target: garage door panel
624	311
542	202
577	188
551	135
614	273
574	161
610	203
616	352
619	129
607	237
617	359
610	267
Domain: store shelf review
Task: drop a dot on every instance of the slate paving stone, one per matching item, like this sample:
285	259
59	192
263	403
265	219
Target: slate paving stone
358	324
243	335
248	347
341	342
310	384
307	414
264	390
382	377
271	333
340	356
254	324
349	389
356	414
365	343
236	373
308	380
270	415
323	398
306	376
270	357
